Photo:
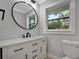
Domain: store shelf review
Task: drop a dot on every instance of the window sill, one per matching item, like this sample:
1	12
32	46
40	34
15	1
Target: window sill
59	32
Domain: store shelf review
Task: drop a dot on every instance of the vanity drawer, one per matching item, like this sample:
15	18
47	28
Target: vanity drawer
35	57
15	49
35	43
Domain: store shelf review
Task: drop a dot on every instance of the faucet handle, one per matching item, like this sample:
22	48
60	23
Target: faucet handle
23	36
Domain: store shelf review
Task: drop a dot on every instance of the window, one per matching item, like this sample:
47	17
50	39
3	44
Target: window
58	18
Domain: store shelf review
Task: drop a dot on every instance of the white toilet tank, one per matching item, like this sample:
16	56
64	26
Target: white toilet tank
71	48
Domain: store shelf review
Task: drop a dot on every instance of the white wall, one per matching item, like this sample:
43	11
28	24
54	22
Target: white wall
8	28
20	18
54	41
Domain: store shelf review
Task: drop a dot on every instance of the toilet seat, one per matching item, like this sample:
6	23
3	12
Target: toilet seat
66	57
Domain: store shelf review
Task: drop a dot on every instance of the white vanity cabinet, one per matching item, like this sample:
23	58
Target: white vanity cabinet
33	49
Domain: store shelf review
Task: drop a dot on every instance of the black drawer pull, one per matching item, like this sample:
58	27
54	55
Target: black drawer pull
26	56
18	49
41	49
34	51
45	58
43	41
34	56
34	44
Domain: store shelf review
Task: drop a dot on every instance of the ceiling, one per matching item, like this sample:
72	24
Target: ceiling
22	7
41	1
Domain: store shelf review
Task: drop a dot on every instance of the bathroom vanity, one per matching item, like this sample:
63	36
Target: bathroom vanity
24	48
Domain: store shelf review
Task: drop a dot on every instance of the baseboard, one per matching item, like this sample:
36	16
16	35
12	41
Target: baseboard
50	56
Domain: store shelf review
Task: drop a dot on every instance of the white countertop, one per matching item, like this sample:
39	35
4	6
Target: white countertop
5	43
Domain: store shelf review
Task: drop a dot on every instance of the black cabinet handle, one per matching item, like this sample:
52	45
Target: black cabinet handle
18	49
34	51
43	41
45	58
26	56
34	44
41	49
34	56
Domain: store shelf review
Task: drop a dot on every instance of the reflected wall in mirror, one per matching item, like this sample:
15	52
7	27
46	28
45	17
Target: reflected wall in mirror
24	15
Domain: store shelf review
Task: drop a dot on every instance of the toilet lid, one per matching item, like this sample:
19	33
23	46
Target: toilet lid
66	58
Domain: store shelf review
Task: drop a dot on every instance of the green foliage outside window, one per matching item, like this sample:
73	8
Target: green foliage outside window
57	25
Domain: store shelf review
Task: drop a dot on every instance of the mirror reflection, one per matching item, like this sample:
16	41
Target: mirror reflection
24	15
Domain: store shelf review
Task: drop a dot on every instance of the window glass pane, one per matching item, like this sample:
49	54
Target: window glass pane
58	18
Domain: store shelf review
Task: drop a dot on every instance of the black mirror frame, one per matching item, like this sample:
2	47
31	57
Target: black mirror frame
15	19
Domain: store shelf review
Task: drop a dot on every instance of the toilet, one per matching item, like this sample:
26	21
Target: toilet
70	49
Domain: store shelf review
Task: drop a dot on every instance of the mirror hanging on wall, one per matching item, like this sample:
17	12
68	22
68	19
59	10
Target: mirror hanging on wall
24	15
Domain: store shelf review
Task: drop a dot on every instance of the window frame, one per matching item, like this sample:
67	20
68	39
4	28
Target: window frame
66	17
72	18
30	20
29	16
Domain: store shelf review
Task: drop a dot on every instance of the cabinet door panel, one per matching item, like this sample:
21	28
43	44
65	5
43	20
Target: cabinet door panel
18	56
43	49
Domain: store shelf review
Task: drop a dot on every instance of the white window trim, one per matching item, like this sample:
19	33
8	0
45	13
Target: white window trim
28	18
72	26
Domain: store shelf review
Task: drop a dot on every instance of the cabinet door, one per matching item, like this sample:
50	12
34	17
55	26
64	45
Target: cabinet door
17	52
18	56
39	50
43	49
33	50
44	46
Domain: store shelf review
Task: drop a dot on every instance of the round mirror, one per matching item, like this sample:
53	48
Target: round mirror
24	15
